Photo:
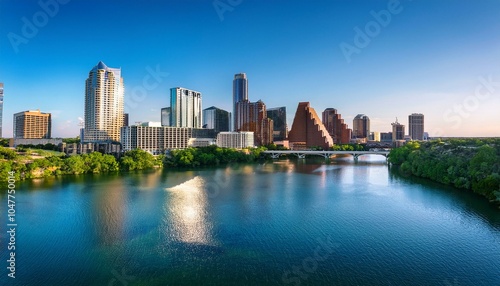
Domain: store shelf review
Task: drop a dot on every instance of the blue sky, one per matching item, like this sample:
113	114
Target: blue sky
439	58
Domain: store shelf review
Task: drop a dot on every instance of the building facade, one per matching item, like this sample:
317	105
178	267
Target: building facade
361	126
280	128
125	119
398	131
32	124
1	107
240	93
416	126
334	124
217	119
185	108
104	95
308	130
157	139
165	116
237	140
252	117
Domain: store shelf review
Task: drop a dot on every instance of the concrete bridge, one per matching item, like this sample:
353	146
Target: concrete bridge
325	154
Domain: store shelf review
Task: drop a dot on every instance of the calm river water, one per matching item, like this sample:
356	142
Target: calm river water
275	223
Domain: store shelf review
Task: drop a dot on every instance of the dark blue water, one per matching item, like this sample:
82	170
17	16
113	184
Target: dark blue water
278	223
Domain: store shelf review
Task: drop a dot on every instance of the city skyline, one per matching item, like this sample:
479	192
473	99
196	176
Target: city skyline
291	51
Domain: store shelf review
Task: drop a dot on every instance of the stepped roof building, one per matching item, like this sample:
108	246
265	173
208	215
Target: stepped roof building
308	130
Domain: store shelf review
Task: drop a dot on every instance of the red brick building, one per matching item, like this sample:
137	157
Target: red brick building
308	130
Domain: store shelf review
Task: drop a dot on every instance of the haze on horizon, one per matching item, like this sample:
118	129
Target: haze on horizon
385	59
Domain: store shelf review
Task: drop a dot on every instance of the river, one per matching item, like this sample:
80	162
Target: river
287	222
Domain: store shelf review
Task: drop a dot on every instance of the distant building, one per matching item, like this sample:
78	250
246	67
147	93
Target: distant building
398	131
201	142
252	117
1	107
157	139
125	119
385	136
335	126
237	140
280	128
308	130
416	126
375	136
151	124
185	108
361	126
32	124
240	93
217	119
43	141
104	95
165	116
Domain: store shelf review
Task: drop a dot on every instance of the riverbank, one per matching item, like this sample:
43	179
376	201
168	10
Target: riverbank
34	164
467	164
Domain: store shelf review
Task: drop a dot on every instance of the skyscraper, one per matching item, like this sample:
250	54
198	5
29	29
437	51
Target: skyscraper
280	128
1	107
240	93
185	108
361	126
416	126
217	119
398	131
252	116
32	124
103	104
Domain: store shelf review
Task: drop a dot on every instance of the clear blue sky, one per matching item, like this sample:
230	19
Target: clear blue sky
428	58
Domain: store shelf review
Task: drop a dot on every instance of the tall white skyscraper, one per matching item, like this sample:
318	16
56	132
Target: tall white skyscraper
104	94
1	107
185	108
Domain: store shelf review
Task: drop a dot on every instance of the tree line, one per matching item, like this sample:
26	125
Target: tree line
471	164
25	167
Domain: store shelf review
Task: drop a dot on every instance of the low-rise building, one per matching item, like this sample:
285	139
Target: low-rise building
236	140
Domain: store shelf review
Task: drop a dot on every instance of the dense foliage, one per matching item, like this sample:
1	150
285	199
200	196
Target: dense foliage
468	164
210	156
25	166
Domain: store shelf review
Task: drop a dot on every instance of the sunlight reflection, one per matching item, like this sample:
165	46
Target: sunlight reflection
188	212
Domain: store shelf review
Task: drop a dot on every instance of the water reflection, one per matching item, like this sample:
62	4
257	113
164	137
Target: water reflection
109	207
187	211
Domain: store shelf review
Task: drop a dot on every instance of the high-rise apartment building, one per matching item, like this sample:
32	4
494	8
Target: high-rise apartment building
361	126
240	93
280	128
217	119
252	116
1	107
104	94
398	131
165	116
185	108
335	126
32	124
308	130
416	126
